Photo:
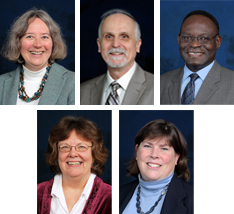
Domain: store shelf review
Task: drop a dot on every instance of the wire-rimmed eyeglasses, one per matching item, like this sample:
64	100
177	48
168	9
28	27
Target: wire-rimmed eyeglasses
79	147
200	39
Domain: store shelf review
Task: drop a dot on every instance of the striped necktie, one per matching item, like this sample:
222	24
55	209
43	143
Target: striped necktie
189	91
113	98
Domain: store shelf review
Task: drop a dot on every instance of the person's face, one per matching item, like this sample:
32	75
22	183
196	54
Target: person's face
36	45
75	164
196	55
118	45
156	159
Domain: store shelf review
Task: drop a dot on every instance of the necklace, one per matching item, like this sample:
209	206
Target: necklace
164	191
21	90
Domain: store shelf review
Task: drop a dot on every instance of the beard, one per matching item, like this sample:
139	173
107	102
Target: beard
119	61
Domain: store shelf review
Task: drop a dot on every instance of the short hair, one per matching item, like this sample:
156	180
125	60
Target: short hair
11	49
83	128
161	129
203	13
119	11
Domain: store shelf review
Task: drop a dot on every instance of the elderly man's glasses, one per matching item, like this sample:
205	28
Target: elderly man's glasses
78	148
201	39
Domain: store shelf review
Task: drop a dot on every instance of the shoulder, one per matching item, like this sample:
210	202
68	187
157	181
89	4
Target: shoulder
61	70
90	83
171	74
130	185
10	74
102	186
149	77
44	187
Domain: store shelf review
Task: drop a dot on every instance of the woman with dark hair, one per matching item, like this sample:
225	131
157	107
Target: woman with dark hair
35	43
160	164
76	154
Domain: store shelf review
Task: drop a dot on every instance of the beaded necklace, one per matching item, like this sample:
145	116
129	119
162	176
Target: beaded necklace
21	89
164	191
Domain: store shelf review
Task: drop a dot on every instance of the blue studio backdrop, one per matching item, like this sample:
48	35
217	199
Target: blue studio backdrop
47	119
172	14
63	12
91	62
130	123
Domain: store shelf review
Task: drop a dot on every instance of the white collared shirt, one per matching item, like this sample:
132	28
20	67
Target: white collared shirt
32	81
58	202
123	82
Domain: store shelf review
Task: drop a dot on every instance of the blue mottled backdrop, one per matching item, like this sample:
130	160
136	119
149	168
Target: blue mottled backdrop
172	14
47	119
63	12
91	62
130	122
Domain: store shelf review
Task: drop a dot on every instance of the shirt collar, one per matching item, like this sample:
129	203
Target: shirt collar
202	73
123	81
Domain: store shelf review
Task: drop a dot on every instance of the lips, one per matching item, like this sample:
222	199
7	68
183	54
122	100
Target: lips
154	165
36	52
72	163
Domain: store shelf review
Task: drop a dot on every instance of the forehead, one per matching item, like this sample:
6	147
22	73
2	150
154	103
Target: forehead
158	141
198	23
118	23
37	23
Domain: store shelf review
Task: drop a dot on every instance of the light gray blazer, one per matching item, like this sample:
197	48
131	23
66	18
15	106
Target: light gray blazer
217	88
59	88
140	89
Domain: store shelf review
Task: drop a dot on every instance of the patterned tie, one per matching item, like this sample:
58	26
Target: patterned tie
113	98
189	91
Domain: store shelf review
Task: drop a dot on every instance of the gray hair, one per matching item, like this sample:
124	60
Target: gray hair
119	11
11	48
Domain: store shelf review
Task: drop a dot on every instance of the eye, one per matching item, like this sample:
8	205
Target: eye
29	37
204	39
108	37
45	37
164	148
124	36
146	146
187	38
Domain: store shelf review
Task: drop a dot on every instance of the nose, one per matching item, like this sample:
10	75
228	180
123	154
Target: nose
154	153
73	152
37	42
195	43
116	42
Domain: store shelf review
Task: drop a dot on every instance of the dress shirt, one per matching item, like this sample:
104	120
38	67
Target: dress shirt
32	81
202	75
123	82
58	202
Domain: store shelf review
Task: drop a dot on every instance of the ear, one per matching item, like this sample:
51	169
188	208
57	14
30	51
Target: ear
99	45
177	158
178	38
218	42
136	147
138	45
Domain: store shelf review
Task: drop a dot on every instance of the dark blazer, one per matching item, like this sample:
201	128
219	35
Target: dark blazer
59	88
217	88
140	90
178	200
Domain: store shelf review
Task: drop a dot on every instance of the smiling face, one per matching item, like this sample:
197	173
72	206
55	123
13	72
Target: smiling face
196	55
36	45
118	45
75	164
156	159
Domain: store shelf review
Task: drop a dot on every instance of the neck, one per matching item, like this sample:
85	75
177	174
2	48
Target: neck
74	183
116	73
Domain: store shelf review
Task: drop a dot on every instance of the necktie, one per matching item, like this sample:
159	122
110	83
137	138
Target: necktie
113	98
189	91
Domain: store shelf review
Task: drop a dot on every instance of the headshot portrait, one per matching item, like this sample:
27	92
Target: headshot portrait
74	161
158	177
34	40
199	67
120	46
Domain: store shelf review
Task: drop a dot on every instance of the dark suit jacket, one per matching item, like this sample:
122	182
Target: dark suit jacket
178	200
217	88
59	88
140	90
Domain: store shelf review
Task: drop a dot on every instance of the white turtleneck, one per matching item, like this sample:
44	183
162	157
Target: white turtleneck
32	81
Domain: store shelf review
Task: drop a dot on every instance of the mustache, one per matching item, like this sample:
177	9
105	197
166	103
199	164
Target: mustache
119	50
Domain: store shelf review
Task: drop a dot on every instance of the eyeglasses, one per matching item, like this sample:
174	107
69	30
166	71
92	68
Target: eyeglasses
201	39
78	148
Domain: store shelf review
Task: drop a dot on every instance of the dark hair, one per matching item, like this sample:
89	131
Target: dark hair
203	13
161	129
84	128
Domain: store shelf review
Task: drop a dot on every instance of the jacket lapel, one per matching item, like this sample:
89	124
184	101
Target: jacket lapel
135	87
175	89
96	91
173	202
10	88
53	86
209	86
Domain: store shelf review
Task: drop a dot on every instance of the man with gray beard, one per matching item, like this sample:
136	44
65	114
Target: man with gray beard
125	83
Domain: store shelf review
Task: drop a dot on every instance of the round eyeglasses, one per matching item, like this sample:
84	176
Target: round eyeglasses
78	148
201	39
